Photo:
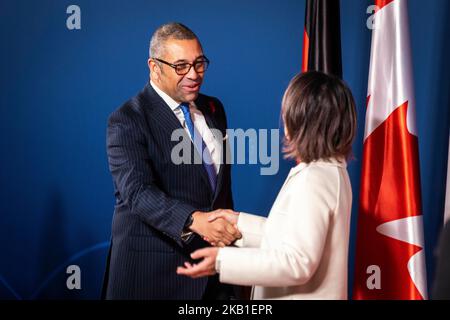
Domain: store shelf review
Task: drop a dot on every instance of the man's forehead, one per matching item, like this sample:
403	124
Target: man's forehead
183	49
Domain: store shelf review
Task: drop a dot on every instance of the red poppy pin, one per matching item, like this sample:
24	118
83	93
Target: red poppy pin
212	106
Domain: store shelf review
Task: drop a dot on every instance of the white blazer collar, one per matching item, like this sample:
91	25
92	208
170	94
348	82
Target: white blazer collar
341	162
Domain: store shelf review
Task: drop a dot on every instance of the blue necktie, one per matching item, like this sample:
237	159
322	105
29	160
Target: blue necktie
200	146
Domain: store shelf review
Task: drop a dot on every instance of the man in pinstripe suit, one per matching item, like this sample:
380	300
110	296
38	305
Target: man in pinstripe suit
161	211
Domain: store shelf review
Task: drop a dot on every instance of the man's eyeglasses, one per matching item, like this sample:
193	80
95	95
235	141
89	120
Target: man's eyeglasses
182	69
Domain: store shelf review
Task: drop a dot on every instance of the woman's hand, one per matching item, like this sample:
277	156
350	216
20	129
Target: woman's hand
206	267
215	230
225	214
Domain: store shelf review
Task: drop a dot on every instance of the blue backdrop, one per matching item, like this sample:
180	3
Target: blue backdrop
58	87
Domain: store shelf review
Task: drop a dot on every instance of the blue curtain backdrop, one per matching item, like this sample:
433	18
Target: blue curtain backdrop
58	87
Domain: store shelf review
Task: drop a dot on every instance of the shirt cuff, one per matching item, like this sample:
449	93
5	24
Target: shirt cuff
218	261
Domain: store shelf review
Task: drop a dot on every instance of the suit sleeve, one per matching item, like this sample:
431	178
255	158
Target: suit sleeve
130	166
297	257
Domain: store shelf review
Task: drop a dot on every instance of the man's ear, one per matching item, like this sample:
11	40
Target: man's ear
154	68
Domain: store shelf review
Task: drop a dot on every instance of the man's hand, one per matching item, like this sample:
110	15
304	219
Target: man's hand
219	231
206	267
229	215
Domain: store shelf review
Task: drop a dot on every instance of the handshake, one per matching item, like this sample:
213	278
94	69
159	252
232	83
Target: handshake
218	227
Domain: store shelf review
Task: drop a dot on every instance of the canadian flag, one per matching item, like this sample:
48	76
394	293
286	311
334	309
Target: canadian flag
390	255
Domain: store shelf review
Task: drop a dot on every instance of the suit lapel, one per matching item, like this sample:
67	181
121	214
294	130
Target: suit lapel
163	116
201	104
160	112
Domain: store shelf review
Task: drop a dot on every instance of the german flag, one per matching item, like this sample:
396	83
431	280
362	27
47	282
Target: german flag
322	37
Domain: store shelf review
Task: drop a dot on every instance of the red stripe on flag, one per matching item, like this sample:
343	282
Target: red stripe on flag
390	190
305	51
381	3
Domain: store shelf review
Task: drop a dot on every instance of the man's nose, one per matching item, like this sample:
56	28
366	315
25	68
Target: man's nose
192	74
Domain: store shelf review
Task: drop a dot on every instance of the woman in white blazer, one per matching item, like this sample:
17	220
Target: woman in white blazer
300	250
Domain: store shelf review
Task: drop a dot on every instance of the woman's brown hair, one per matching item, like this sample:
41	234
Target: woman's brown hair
319	114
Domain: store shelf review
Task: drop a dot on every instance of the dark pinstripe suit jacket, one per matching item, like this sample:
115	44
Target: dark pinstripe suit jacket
154	199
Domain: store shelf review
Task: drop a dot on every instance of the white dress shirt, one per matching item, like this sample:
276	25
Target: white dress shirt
300	251
214	145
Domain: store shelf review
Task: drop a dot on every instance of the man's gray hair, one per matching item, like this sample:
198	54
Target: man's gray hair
173	30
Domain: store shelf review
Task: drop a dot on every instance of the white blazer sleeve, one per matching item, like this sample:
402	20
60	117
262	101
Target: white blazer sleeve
302	240
251	228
